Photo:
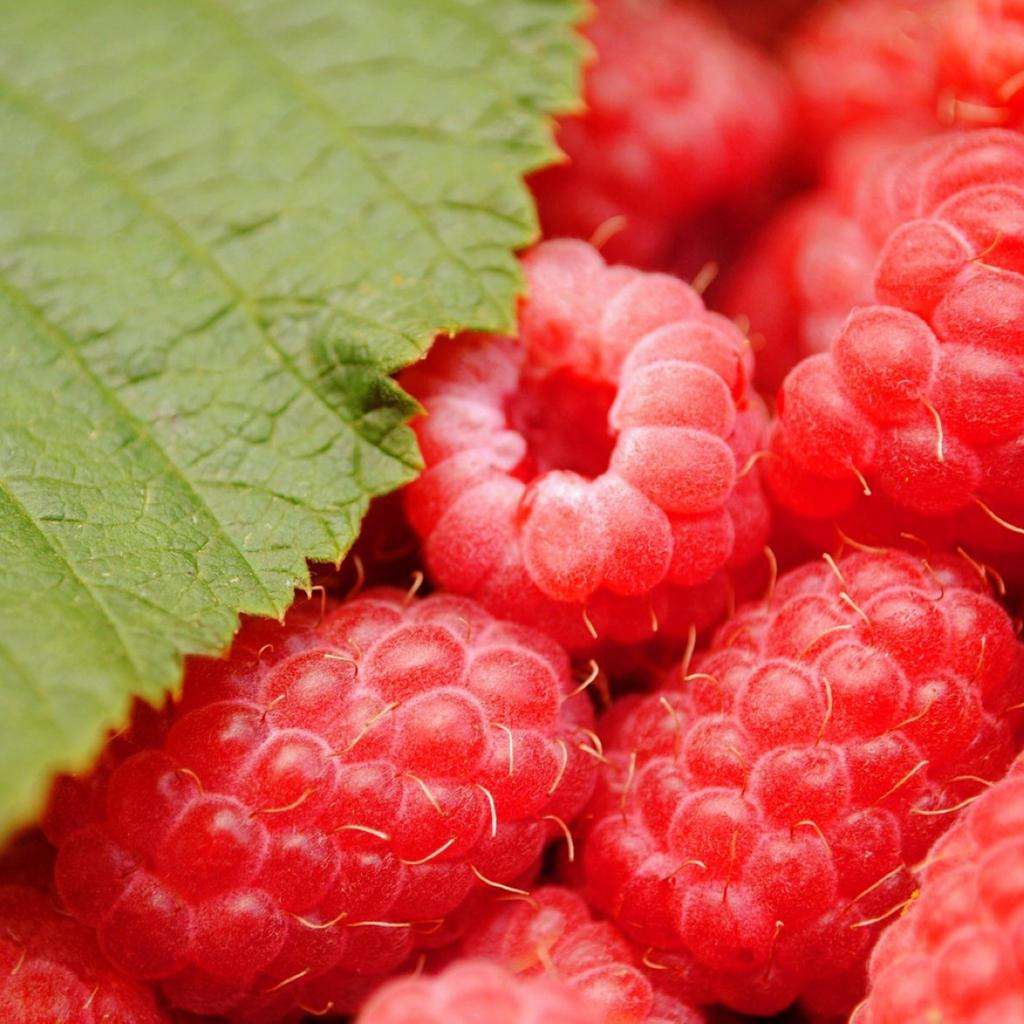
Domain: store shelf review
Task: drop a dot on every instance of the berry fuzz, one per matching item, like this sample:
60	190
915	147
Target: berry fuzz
681	116
914	419
592	476
553	932
955	956
316	805
52	972
473	992
759	812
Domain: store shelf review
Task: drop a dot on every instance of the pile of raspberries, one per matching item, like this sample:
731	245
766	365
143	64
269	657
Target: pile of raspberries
685	684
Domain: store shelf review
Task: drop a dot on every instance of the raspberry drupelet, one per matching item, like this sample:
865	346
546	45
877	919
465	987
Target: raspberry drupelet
474	991
797	280
316	805
865	65
759	813
681	116
893	65
981	58
955	956
868	73
553	933
913	421
592	476
534	955
52	971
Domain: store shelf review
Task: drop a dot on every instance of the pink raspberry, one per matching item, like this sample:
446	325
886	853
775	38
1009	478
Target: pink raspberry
52	972
553	932
315	806
474	991
758	813
680	116
591	476
955	956
919	403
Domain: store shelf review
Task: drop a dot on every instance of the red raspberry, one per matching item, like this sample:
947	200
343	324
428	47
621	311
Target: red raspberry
322	800
681	116
981	62
956	955
874	72
770	21
920	401
52	972
758	812
473	991
798	280
553	932
588	477
865	64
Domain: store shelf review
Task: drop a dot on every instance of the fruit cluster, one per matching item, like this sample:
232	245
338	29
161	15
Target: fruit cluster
657	696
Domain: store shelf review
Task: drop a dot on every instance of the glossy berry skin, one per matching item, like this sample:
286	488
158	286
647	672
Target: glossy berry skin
920	398
955	956
554	933
760	811
318	803
51	969
474	991
590	477
681	116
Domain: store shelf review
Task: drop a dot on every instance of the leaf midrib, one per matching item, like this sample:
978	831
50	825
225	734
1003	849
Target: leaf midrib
280	70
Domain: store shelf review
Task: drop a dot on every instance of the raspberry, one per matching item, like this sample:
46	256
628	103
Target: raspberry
919	403
554	933
865	64
798	280
51	969
754	824
318	803
591	476
528	958
955	956
981	55
472	991
769	23
681	116
868	73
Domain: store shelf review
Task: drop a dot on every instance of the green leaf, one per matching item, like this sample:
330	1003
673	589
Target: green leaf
222	222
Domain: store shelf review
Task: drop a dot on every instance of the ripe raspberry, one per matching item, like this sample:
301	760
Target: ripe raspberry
321	801
921	399
554	933
867	73
681	116
770	22
981	59
755	821
52	972
956	955
588	478
798	280
473	991
865	64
